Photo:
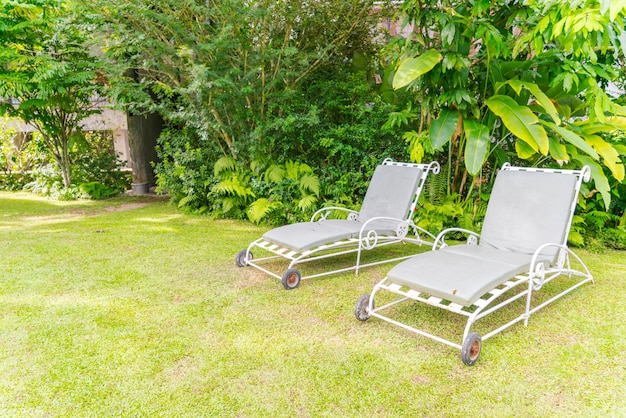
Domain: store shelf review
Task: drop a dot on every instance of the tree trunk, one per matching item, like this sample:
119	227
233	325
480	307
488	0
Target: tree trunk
143	131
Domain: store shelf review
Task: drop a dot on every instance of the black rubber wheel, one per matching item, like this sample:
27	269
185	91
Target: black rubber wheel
291	279
242	258
470	350
360	311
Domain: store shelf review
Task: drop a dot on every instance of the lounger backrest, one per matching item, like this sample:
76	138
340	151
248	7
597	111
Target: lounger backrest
391	192
528	209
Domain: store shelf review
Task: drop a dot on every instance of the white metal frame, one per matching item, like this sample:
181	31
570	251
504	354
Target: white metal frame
367	240
501	295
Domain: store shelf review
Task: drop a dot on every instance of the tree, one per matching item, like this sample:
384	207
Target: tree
503	80
227	69
48	77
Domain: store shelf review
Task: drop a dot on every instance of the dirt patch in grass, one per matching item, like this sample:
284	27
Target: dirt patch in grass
126	206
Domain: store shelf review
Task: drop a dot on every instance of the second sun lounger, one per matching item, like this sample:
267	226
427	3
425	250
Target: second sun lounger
385	218
522	247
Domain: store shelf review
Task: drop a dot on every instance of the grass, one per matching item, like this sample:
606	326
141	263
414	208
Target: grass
127	307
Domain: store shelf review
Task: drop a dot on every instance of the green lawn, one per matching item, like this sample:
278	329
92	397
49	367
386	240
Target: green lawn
127	307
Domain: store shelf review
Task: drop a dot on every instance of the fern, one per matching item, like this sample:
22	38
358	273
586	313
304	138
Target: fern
576	238
256	166
436	189
600	219
224	164
292	169
186	200
305	168
260	208
274	174
307	203
228	204
233	186
310	183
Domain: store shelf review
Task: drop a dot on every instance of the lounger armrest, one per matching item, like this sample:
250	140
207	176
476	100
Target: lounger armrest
538	268
440	240
323	213
368	237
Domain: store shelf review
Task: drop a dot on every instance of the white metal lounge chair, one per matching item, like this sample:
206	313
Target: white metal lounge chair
385	218
522	246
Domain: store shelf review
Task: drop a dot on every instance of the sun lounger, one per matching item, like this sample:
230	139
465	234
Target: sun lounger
385	218
522	247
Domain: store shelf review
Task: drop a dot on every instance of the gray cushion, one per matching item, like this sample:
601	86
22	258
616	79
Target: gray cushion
306	235
527	209
485	253
391	192
461	274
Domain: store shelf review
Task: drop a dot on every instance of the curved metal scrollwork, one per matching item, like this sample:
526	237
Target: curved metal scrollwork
370	240
472	240
402	229
539	276
353	216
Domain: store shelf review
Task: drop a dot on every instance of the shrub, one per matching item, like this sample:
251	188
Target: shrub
19	154
96	171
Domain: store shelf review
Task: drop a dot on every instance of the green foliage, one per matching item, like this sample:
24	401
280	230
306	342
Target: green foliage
227	69
448	213
344	143
292	192
94	160
280	194
232	192
596	226
50	71
97	171
509	81
19	154
184	170
97	190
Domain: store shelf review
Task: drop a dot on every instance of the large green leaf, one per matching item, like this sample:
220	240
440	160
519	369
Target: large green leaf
573	138
621	148
411	68
544	101
599	179
558	151
442	128
521	121
618	122
610	156
524	151
476	145
274	174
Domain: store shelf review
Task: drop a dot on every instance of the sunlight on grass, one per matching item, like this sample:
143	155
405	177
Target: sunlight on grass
142	312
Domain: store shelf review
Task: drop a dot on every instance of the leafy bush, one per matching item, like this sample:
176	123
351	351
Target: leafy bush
290	193
96	170
94	161
333	125
278	194
185	168
596	226
19	154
